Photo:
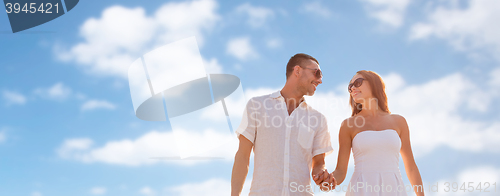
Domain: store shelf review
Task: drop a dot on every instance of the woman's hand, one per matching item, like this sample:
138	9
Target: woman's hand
329	183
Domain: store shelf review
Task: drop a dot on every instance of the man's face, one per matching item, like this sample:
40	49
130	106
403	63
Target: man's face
309	79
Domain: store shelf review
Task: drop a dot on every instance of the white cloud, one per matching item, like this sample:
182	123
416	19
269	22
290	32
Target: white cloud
316	8
235	105
98	190
274	43
36	193
240	101
480	174
472	28
495	78
241	48
72	148
13	98
3	136
80	96
434	114
97	104
433	111
212	66
249	93
478	177
215	187
151	148
212	187
147	191
58	91
107	50
154	147
177	20
389	12
257	16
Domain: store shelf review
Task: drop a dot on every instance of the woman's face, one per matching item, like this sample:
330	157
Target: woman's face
362	92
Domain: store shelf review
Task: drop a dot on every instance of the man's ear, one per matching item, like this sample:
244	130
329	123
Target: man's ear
296	71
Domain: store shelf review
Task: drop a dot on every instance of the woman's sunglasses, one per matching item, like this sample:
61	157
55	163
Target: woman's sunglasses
317	72
357	83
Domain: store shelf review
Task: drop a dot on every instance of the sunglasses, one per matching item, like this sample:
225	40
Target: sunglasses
317	72
357	83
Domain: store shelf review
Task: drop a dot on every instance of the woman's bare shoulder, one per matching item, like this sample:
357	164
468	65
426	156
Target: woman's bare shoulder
400	123
347	125
397	118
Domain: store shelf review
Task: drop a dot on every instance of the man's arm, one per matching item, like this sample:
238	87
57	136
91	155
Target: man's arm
319	172
240	167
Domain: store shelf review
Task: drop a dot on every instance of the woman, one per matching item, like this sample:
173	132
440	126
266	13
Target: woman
376	137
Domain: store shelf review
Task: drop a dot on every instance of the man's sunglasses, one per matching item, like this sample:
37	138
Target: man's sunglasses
357	83
317	72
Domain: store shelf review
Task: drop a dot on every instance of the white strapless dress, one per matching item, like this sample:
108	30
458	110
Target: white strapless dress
376	164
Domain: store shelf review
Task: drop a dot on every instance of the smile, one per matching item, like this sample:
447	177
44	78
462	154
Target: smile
315	85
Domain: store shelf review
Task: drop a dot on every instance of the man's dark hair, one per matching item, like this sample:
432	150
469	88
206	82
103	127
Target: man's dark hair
297	59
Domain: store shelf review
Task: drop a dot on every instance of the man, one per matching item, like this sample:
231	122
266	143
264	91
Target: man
288	137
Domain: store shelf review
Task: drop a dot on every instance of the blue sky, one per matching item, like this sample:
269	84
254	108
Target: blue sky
68	125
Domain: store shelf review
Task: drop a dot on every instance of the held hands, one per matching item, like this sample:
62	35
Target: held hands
325	180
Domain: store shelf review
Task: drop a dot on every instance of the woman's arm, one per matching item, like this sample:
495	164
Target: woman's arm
407	155
344	152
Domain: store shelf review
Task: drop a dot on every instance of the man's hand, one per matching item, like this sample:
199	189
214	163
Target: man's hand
329	183
321	176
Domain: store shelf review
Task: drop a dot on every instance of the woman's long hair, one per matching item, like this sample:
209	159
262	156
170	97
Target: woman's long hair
378	92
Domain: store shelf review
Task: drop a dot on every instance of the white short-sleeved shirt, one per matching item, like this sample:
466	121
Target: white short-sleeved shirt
283	144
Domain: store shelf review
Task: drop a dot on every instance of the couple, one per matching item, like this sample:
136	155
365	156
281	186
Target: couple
290	140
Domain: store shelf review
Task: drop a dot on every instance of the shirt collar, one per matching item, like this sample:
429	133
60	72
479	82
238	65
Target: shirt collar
277	95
